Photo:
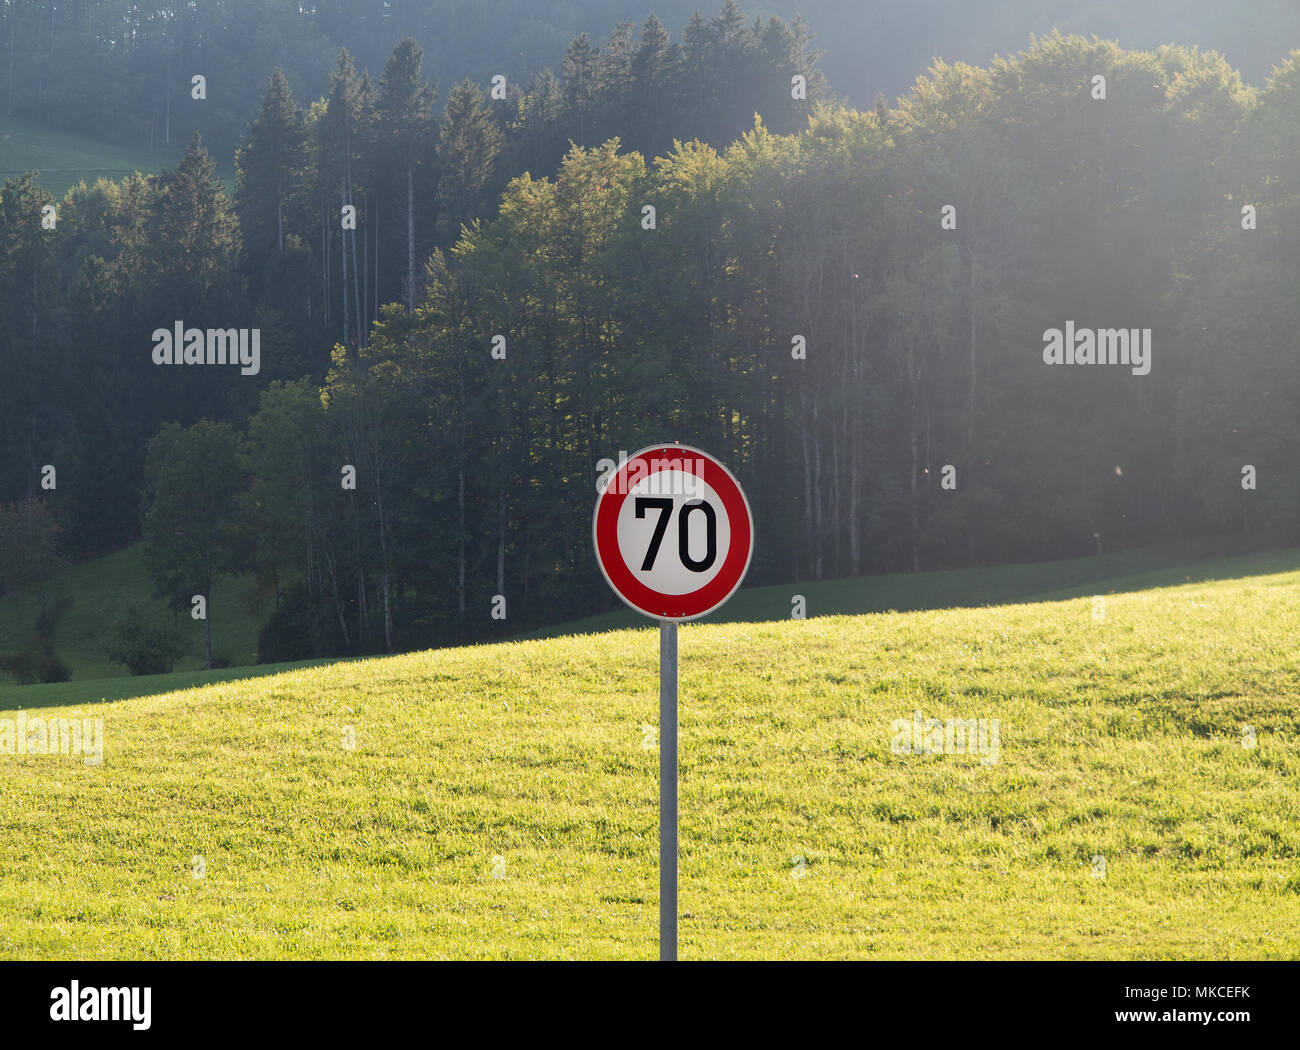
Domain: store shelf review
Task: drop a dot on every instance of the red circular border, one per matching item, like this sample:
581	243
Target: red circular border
635	593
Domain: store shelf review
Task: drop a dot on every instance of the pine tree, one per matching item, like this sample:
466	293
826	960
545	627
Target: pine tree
404	128
469	144
696	96
196	238
271	167
340	148
613	83
579	72
654	77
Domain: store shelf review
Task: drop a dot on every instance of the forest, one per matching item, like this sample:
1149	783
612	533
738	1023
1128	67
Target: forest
120	69
465	303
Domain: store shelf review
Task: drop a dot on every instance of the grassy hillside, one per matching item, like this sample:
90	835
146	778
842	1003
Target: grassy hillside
99	588
501	802
1163	566
65	158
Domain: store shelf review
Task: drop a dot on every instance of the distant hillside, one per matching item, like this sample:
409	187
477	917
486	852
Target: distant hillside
99	588
101	585
65	158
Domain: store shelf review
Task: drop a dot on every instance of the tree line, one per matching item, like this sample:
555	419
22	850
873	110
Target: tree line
276	252
122	71
850	312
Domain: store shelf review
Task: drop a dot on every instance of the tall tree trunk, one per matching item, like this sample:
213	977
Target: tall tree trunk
855	540
325	262
410	240
386	568
501	541
328	553
836	520
167	97
855	451
343	200
386	577
207	618
970	411
460	553
804	441
365	279
460	496
818	545
356	277
915	516
9	106
971	458
362	618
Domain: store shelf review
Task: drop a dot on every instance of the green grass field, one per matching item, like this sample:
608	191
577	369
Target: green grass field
98	588
1140	569
501	801
65	158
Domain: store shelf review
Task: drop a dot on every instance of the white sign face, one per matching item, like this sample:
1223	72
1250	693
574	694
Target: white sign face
673	532
681	525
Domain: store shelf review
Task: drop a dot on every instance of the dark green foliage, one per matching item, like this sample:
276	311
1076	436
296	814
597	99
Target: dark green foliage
55	670
32	562
78	303
143	644
273	168
469	144
33	664
190	527
47	622
290	632
476	475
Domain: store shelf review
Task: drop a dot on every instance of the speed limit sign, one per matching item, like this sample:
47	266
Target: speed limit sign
673	536
673	532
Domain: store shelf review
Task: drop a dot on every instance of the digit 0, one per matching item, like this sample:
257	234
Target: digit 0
710	536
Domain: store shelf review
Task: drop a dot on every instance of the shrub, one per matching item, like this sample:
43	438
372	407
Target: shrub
53	669
288	634
142	644
22	665
31	665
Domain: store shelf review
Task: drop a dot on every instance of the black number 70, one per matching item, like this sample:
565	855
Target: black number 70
665	507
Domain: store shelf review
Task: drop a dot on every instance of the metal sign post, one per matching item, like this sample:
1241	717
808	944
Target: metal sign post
668	790
673	535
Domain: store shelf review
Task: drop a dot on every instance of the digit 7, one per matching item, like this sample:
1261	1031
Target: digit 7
664	505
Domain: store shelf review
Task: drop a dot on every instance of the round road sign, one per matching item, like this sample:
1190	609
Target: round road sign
673	532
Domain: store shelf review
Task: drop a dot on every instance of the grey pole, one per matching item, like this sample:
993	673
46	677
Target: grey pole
668	790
